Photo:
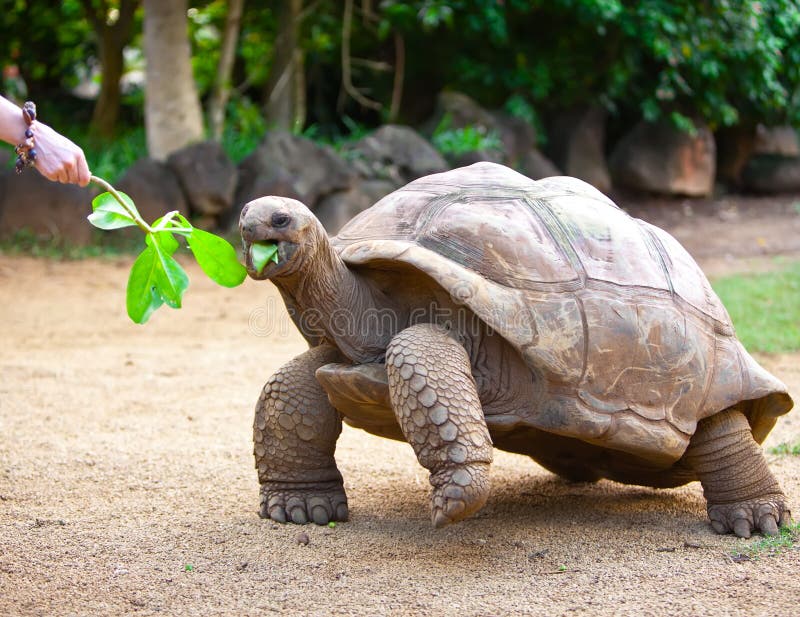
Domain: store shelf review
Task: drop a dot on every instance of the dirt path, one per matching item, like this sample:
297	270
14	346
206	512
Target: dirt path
125	457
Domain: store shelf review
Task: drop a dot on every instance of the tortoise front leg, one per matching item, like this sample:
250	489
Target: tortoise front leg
741	493
295	433
436	403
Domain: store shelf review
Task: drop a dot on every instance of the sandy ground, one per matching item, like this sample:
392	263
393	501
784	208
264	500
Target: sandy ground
125	460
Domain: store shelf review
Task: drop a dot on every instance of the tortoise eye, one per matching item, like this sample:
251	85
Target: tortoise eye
280	219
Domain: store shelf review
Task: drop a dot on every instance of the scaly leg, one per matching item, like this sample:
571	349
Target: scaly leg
436	403
741	493
295	432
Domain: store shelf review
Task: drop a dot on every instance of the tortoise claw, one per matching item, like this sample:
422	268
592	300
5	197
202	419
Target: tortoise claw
766	514
458	492
318	503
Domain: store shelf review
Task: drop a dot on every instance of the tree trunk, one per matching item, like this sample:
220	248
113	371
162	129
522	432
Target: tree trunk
285	106
106	109
222	83
173	117
111	41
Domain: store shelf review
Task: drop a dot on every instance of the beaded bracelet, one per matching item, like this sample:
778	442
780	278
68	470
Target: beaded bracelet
26	151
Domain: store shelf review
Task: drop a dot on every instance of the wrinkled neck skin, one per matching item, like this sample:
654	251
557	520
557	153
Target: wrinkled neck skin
333	303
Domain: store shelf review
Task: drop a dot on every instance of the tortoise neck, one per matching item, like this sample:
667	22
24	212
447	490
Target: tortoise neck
334	303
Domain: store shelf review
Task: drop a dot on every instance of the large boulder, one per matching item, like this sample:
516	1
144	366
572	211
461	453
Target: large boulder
517	136
770	173
50	210
313	171
577	146
478	156
735	146
536	165
461	111
252	185
660	158
154	189
455	110
395	153
778	140
207	176
338	208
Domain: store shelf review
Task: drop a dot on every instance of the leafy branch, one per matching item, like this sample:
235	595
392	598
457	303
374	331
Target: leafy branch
156	278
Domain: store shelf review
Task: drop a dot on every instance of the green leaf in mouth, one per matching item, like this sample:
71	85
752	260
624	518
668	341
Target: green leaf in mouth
263	252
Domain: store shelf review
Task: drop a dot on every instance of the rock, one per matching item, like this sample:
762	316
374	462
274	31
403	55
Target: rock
659	158
51	210
536	165
578	146
460	111
154	189
297	164
517	135
338	208
301	537
207	176
735	146
477	156
395	153
252	185
779	140
769	173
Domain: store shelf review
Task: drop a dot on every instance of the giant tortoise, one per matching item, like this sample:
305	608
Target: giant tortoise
479	308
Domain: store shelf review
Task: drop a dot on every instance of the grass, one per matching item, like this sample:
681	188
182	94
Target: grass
25	242
786	449
765	308
768	546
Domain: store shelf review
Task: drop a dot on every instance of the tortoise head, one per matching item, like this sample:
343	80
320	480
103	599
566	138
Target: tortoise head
297	233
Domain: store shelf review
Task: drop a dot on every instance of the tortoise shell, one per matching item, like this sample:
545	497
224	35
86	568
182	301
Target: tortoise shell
634	345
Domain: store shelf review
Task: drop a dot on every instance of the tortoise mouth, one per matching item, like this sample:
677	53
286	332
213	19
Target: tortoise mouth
286	253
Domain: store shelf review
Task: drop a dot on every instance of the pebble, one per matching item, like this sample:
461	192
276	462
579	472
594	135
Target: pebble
301	537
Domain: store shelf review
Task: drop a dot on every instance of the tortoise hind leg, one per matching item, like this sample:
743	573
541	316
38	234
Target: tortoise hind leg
435	399
741	493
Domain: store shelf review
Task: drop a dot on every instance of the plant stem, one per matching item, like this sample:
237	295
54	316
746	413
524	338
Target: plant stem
133	213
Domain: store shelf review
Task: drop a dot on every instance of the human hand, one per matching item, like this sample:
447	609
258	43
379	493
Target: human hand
57	158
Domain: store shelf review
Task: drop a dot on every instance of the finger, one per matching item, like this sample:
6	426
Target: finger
84	174
72	172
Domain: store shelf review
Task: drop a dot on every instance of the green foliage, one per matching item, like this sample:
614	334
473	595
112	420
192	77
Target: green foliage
262	253
769	546
726	61
454	142
244	129
786	449
723	61
156	278
48	41
110	159
764	308
26	242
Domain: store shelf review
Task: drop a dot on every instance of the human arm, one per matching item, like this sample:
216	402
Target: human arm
57	158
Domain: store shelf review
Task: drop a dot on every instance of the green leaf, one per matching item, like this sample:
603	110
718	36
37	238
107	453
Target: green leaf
217	258
108	213
142	297
262	252
165	239
170	278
